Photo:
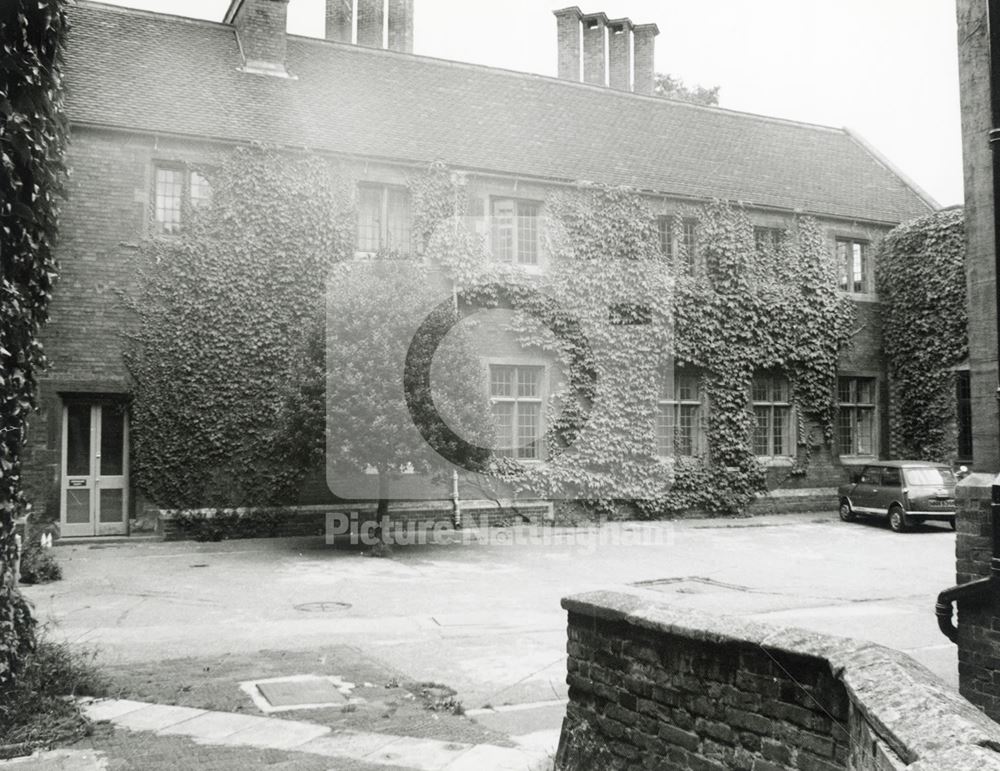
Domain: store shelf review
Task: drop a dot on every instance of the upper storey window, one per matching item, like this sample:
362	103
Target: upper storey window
384	220
177	190
514	230
853	262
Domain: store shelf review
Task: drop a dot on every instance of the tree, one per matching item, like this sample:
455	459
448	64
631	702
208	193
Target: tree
32	143
671	87
398	363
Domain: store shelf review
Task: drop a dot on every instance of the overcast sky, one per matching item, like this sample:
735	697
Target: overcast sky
885	68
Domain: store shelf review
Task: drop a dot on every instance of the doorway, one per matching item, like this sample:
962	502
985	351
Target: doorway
94	495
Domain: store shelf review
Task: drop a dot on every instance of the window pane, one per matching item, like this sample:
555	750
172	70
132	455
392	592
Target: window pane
398	229
858	267
665	231
842	261
527	233
527	382
687	388
690	241
527	430
77	506
503	416
503	230
686	429
664	429
866	391
78	440
844	390
762	431
369	218
779	391
501	381
780	418
201	190
112	441
760	390
866	430
169	194
845	431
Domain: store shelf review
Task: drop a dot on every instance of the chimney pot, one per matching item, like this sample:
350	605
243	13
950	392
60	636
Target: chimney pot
595	48
261	29
644	37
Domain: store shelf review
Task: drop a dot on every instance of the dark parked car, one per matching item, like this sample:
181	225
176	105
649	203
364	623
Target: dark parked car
906	491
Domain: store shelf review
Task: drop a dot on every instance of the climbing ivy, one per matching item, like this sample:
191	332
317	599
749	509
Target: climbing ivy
921	281
739	310
32	145
223	317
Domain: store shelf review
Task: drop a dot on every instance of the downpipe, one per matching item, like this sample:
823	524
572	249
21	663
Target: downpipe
973	592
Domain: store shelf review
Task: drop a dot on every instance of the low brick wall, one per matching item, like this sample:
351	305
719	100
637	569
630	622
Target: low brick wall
656	687
313	520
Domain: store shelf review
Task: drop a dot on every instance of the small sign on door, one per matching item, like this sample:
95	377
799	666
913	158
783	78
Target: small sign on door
78	483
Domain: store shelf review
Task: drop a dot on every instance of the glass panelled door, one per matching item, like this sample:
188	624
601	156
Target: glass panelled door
95	469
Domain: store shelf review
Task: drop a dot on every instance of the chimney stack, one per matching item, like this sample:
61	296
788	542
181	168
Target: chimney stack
260	28
627	48
645	48
620	58
595	48
340	20
371	22
569	42
401	26
374	24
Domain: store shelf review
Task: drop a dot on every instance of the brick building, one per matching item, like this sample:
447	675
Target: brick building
152	98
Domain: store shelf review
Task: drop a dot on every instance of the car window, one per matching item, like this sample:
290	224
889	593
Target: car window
871	475
939	477
891	478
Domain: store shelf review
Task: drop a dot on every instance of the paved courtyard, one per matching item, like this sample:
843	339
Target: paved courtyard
479	613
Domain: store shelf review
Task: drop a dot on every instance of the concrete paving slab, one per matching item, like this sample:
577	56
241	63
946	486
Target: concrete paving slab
213	726
109	709
422	754
156	717
296	693
346	744
59	760
276	734
485	756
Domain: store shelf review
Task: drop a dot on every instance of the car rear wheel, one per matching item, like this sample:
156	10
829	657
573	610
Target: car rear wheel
846	512
897	520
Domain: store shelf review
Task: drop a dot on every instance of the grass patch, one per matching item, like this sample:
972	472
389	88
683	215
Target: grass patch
41	711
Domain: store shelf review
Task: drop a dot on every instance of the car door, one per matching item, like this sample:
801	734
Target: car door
863	497
890	490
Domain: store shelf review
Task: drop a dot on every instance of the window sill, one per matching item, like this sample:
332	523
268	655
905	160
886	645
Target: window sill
776	461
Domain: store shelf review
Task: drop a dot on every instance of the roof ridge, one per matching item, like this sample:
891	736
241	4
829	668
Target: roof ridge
368	50
131	11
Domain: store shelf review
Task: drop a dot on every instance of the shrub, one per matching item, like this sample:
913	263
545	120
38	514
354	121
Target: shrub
38	565
38	712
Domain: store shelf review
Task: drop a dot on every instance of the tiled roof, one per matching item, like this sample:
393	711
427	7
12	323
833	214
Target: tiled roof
167	74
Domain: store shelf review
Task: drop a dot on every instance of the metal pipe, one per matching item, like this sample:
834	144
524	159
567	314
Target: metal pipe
962	593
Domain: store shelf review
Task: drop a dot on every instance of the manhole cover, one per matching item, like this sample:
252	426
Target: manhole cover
298	693
322	607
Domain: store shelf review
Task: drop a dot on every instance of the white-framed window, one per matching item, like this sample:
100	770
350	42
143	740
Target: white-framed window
773	435
766	240
856	416
514	230
384	219
680	416
175	188
665	235
853	262
689	243
517	398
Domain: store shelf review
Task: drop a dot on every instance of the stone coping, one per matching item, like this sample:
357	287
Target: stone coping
975	486
922	719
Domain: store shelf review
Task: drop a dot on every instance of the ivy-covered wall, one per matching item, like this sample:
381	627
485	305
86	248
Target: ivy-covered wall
921	280
109	250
